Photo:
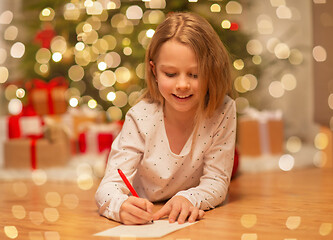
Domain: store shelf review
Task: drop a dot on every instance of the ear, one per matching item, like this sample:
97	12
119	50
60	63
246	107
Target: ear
153	68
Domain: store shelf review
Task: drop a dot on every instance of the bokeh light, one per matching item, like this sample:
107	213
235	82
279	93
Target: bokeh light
319	53
20	93
39	177
121	99
293	222
225	24
6	17
233	7
11	33
114	113
286	162
51	235
283	12
18	211
76	73
56	57
254	47
150	33
92	103
17	50
321	141
238	64
36	217
73	102
325	229
47	14
51	214
11	232
53	199
282	51
293	144
3	74
296	57
288	81
248	220
85	181
123	74
320	159
15	106
134	12
276	89
215	8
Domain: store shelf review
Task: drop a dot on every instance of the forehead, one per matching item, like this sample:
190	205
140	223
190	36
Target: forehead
177	54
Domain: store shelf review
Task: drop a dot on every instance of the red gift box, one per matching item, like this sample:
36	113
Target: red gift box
26	124
98	138
48	98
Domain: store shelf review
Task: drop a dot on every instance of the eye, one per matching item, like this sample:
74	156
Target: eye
170	74
193	75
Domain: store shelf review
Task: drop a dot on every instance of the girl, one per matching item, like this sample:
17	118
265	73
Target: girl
178	142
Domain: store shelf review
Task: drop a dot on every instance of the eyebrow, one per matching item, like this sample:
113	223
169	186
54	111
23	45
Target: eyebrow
172	66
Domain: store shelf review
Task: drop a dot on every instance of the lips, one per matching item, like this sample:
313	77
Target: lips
182	96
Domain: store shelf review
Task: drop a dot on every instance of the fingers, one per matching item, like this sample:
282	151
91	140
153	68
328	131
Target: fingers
179	209
136	211
164	211
149	206
194	214
176	209
184	213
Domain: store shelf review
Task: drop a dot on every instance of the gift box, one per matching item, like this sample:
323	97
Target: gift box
23	126
48	98
27	123
260	133
38	152
77	120
98	138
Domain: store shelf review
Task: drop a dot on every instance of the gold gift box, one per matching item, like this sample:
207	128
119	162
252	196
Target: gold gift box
256	138
50	151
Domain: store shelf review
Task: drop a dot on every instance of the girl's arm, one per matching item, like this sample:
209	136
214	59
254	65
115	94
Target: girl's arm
218	163
126	153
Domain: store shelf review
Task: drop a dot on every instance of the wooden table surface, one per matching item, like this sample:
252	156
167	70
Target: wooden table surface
271	205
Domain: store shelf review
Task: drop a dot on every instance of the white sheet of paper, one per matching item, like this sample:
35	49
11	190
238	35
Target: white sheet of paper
157	229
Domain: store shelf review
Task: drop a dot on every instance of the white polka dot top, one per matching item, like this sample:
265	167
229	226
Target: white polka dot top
142	152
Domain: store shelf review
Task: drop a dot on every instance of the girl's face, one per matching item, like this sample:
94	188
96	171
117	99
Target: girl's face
176	71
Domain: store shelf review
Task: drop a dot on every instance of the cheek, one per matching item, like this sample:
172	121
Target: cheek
164	85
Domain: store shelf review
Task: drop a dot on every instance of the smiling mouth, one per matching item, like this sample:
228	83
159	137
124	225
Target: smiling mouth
182	96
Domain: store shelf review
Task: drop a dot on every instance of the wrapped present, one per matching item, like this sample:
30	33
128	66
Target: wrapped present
77	120
48	98
260	133
27	123
98	138
38	152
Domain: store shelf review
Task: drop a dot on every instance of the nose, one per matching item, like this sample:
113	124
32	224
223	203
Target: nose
182	83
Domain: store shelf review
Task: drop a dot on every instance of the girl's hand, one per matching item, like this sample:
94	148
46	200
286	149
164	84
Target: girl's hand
136	211
180	208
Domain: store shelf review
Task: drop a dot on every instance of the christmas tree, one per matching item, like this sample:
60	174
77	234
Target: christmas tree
99	46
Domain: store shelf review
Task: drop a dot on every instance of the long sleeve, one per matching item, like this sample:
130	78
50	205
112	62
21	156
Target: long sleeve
126	153
218	161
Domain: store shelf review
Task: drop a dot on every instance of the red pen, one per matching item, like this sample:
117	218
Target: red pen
129	186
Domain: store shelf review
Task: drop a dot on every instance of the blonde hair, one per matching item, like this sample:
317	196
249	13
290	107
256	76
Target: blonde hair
212	57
